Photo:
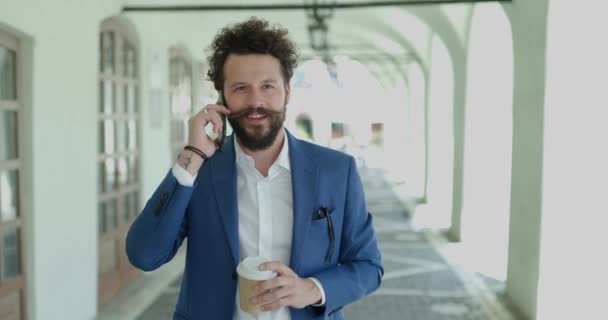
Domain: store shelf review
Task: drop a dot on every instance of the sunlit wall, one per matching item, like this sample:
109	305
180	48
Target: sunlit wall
575	168
415	139
436	213
488	136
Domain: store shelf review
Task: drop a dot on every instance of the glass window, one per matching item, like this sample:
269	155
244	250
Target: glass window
121	135
135	204
102	134
122	171
9	195
110	175
101	183
129	62
120	103
11	254
8	135
107	97
101	222
109	137
132	129
107	52
133	169
131	99
125	96
8	70
124	208
112	221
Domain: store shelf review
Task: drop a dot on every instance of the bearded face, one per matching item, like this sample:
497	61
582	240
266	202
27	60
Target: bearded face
256	94
257	127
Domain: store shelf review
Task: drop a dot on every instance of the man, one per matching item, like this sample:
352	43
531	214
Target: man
263	193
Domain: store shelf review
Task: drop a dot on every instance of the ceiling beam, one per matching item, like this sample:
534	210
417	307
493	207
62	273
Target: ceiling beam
364	56
294	6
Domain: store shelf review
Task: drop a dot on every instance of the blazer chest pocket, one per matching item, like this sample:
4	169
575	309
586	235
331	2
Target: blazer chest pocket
323	232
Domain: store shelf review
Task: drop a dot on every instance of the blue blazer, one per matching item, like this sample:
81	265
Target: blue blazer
207	214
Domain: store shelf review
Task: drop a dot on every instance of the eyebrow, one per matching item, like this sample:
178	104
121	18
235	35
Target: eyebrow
240	83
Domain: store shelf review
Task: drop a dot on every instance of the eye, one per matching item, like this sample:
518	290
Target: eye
267	86
241	88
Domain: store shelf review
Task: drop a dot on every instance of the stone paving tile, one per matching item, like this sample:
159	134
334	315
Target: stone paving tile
419	284
414	308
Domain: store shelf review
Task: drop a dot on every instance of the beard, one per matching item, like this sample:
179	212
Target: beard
257	137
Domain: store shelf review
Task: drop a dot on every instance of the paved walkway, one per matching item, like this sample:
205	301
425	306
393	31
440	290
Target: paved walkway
419	284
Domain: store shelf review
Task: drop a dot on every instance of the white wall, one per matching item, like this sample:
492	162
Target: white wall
414	144
155	113
573	260
436	213
488	135
60	149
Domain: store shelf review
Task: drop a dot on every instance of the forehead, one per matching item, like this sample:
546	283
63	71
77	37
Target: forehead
251	68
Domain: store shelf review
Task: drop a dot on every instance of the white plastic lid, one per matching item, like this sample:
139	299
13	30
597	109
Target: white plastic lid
248	268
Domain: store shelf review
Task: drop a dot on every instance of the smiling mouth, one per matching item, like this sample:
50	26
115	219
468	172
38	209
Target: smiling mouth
256	117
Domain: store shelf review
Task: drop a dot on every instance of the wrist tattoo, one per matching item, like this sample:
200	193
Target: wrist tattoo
188	161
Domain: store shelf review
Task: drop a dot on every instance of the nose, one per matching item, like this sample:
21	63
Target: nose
255	99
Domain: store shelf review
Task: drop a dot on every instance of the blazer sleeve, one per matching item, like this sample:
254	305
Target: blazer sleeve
159	230
360	270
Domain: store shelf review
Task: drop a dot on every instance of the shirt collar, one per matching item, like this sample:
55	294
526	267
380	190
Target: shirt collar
282	159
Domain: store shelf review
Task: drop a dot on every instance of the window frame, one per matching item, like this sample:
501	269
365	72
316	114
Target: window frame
16	287
129	191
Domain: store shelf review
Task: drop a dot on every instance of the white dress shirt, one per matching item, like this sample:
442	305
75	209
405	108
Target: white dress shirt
265	216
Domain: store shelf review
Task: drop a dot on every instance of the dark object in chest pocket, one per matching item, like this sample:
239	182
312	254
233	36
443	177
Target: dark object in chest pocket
324	213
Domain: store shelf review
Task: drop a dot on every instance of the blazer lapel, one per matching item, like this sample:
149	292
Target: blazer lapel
223	173
304	184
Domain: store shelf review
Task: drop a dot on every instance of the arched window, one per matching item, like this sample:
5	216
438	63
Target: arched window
12	276
180	91
119	151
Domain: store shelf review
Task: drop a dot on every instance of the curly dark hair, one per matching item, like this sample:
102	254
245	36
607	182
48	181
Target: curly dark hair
251	37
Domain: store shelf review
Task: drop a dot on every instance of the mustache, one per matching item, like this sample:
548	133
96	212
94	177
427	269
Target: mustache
259	110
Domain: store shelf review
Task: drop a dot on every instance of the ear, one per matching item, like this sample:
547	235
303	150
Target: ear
287	92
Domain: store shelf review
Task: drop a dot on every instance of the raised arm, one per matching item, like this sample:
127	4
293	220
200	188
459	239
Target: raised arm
160	229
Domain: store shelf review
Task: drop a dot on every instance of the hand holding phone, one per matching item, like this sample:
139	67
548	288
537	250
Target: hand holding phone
221	137
207	129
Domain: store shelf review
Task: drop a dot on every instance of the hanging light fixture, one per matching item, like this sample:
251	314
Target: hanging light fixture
318	16
321	11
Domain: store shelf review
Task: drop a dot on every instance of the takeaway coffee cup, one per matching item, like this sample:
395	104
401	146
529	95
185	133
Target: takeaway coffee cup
249	276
